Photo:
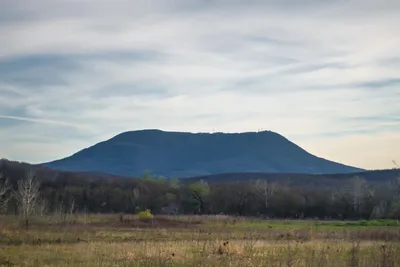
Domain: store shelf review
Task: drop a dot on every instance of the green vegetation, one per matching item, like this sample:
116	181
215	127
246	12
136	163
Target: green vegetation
363	223
145	215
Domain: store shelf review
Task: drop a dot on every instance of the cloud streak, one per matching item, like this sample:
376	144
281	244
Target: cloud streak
58	123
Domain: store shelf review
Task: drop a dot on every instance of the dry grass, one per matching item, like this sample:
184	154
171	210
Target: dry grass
105	242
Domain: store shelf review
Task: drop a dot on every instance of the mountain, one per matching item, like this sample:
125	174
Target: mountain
179	154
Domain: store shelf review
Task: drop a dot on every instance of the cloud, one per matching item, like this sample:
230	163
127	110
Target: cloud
381	83
73	73
58	123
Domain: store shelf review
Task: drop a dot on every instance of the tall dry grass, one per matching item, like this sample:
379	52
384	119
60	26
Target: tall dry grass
106	241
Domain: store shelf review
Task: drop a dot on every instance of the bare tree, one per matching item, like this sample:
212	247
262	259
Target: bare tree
71	209
58	211
395	199
359	190
4	189
27	195
72	206
265	190
379	210
240	197
136	196
41	207
395	185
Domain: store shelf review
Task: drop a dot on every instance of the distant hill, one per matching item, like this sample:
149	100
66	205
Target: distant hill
302	180
179	154
17	170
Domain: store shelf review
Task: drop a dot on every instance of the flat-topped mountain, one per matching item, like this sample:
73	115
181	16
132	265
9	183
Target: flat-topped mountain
179	154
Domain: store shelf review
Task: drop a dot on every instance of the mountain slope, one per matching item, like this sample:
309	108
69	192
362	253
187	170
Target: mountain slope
181	154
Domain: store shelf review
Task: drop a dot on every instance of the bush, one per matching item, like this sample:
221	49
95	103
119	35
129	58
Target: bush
145	215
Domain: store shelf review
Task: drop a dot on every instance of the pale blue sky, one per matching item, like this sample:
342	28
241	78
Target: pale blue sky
325	74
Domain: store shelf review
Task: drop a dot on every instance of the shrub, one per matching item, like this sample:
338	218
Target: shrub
145	215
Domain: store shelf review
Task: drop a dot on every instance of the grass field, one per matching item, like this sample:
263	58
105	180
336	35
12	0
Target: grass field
109	240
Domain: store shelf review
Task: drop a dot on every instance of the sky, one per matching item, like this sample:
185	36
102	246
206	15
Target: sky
325	74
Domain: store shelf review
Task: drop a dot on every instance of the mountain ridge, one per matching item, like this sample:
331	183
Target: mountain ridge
184	154
15	170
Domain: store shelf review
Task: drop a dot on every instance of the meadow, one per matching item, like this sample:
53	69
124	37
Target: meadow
125	240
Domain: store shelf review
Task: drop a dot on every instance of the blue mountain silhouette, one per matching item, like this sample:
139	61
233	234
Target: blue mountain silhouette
180	154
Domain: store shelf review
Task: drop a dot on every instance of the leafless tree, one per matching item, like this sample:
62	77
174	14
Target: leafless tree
72	206
359	190
27	195
379	210
41	207
58	211
265	190
135	197
395	185
4	189
70	209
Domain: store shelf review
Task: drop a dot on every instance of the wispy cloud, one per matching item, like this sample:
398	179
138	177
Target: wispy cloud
58	123
381	83
76	72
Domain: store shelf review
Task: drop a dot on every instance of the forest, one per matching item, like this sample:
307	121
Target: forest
64	192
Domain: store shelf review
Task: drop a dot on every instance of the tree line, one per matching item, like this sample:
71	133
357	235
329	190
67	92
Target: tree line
30	193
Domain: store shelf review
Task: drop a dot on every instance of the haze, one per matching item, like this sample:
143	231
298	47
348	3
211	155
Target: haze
325	74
